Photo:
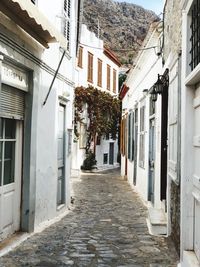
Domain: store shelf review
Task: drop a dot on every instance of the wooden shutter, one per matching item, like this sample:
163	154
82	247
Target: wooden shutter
12	102
99	74
108	77
67	15
80	57
129	136
142	136
114	80
90	67
132	136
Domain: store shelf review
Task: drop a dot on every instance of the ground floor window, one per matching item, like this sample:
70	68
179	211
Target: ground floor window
7	150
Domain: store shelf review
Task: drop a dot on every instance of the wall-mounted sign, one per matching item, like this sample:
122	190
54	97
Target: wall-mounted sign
14	77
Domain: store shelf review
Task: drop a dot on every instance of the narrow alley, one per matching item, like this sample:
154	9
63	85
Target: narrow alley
105	227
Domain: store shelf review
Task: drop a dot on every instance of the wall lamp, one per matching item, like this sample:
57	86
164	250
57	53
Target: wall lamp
160	85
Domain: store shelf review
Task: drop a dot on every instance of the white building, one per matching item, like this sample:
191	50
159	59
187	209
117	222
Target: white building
36	42
190	136
144	131
96	66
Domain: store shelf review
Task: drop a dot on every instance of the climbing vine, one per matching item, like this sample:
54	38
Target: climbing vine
103	112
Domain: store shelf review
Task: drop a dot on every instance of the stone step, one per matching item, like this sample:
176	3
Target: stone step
157	222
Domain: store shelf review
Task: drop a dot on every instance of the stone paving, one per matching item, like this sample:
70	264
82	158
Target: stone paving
105	227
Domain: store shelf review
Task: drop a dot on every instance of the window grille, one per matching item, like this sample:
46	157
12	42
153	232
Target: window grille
66	21
195	34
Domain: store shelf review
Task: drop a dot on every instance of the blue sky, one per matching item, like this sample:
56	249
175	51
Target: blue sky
155	5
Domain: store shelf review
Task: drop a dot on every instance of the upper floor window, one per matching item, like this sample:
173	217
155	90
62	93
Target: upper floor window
90	67
114	80
108	77
80	57
99	74
66	20
195	34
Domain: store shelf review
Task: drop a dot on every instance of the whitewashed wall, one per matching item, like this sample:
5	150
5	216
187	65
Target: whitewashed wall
141	77
42	202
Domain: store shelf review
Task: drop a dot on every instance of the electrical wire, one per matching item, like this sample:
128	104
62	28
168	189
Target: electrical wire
118	50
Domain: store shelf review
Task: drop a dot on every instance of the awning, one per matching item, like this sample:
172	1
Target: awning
25	14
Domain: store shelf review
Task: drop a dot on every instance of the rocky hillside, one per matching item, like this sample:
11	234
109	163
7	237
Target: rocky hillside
121	25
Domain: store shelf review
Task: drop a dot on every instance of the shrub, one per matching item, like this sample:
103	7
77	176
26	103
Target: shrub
89	161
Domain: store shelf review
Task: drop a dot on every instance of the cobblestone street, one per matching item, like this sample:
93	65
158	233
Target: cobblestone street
105	227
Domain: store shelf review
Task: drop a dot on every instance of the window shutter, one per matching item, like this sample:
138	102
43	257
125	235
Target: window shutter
129	136
142	136
66	22
133	133
80	57
12	102
90	67
99	83
114	81
108	77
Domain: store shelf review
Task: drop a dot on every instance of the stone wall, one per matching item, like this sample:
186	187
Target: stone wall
172	27
175	214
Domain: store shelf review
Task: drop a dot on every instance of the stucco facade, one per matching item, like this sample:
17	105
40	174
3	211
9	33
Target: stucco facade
39	148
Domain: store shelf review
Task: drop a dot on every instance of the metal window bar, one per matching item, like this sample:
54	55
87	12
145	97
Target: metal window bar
195	35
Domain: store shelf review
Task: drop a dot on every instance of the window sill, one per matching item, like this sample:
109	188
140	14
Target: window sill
193	77
89	81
